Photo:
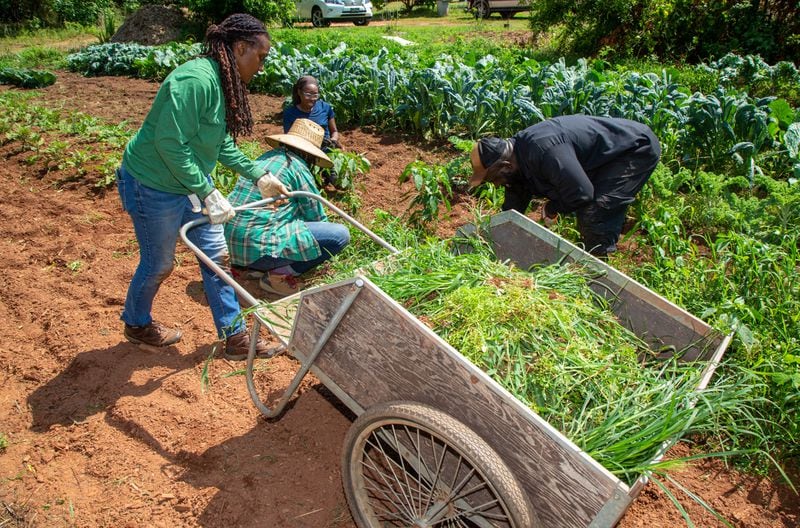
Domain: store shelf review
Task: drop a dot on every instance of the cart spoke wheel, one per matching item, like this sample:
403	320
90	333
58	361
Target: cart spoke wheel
408	465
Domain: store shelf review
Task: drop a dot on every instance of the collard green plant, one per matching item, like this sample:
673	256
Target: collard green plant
792	141
26	78
108	59
161	60
442	96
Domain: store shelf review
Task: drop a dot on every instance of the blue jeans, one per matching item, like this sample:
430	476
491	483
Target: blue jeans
157	218
332	238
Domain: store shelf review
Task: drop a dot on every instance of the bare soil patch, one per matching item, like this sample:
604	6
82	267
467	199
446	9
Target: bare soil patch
106	433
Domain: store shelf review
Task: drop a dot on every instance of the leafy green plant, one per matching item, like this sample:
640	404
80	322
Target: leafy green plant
107	26
77	159
792	140
161	60
224	178
26	78
432	190
31	125
348	166
108	59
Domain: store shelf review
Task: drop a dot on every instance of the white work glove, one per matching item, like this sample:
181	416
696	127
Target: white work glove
218	208
270	186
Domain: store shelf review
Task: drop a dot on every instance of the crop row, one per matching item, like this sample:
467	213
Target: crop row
723	130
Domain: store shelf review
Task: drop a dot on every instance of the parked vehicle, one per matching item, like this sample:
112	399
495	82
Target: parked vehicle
322	12
506	8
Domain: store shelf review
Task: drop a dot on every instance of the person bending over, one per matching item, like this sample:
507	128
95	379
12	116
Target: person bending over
591	166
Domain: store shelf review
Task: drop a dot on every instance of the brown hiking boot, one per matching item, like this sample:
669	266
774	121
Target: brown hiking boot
155	334
238	345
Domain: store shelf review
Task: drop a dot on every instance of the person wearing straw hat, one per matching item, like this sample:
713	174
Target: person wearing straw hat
287	241
590	166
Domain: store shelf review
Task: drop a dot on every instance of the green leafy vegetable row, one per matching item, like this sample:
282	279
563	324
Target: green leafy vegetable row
723	130
26	78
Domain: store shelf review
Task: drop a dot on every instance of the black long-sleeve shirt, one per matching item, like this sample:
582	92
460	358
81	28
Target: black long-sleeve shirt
575	160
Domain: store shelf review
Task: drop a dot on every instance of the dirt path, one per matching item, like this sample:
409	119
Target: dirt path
105	433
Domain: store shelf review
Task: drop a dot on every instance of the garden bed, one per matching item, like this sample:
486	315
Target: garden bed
105	433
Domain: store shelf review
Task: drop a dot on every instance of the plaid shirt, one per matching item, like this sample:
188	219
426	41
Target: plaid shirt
253	234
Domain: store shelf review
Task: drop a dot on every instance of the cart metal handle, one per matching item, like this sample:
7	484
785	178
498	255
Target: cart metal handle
243	294
305	365
240	291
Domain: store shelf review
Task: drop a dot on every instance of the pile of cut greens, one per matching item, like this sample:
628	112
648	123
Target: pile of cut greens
547	338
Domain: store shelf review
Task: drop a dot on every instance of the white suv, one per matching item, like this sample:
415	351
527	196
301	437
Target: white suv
323	12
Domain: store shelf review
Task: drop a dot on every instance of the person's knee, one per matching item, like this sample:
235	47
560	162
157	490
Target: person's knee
344	237
339	237
161	270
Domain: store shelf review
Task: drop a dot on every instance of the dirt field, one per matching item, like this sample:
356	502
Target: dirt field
106	433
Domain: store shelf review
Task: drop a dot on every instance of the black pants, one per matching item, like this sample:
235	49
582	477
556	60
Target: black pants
600	228
616	185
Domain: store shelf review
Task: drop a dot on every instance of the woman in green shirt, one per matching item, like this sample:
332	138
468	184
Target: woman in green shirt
199	111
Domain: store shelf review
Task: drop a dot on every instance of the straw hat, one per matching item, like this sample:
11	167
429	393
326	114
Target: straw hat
304	135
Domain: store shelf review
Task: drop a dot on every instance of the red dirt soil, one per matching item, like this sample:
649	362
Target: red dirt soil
102	432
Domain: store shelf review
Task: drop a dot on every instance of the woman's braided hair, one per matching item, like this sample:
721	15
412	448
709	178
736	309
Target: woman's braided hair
219	46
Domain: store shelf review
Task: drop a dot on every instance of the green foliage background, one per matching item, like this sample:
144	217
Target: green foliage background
675	29
279	11
53	12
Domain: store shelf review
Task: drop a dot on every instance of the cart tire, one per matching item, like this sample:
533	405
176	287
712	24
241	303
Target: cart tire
447	476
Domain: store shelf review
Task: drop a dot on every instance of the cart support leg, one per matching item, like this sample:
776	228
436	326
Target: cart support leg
304	366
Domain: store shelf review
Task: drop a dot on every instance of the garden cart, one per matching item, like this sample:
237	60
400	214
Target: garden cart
437	442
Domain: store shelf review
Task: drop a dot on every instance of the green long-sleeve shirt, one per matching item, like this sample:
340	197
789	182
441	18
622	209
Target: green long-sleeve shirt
184	134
